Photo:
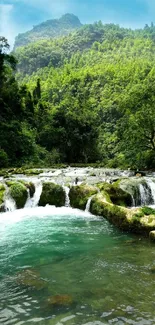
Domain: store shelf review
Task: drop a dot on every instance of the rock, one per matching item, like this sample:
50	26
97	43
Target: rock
132	220
2	207
152	235
52	194
117	195
18	192
79	195
30	278
60	301
30	186
113	213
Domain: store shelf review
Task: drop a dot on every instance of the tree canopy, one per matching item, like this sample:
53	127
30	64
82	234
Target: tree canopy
86	97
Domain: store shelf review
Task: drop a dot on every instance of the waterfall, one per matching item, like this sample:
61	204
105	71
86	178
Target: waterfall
33	202
144	195
151	185
67	199
87	209
9	202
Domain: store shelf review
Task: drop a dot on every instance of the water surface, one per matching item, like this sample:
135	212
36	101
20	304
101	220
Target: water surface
100	275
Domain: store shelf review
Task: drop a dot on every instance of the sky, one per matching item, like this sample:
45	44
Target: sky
18	16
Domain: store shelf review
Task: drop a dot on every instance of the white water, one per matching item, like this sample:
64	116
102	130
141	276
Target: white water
144	195
87	209
10	204
33	202
152	188
12	217
67	199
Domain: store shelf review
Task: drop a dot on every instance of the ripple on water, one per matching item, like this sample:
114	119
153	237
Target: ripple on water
63	266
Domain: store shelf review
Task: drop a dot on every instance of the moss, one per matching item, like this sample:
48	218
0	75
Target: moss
18	191
79	195
2	192
52	194
139	214
33	171
113	213
132	220
117	195
147	211
30	186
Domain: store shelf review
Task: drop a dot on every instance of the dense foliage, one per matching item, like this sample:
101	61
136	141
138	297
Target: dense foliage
90	98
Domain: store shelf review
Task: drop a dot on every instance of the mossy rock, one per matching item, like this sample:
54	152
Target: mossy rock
52	194
29	186
18	192
116	194
113	213
79	195
2	194
132	220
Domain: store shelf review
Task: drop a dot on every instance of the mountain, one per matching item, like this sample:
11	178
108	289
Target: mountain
54	52
53	28
84	97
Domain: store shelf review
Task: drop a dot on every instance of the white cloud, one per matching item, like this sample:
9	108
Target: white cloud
53	7
7	26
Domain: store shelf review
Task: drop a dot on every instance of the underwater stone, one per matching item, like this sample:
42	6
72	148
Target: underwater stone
60	300
30	278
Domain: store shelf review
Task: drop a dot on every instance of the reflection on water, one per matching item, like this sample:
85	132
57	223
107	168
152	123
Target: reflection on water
63	266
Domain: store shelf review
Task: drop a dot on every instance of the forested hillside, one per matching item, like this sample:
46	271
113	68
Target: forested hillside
53	28
90	97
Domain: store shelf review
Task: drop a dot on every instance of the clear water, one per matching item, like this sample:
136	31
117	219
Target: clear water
106	276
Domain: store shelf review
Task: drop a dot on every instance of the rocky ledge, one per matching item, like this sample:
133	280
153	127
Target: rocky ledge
111	201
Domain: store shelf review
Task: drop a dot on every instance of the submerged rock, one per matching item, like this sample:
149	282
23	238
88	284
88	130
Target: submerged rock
79	195
52	194
60	301
30	278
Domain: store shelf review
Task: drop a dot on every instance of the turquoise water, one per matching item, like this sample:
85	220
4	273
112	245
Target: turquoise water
62	266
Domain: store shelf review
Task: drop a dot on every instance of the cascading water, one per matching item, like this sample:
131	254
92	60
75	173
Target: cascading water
67	199
33	202
9	202
151	185
87	209
145	194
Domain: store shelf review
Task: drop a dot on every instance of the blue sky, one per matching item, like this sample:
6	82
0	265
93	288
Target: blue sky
17	16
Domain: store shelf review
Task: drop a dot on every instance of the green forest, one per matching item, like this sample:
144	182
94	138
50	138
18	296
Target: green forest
86	97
